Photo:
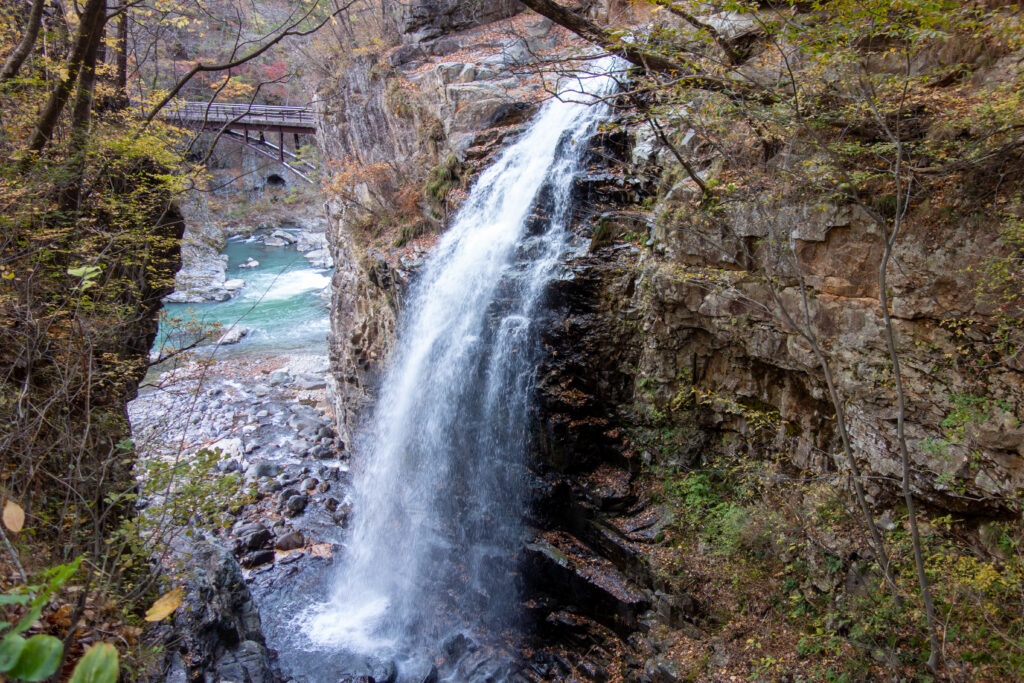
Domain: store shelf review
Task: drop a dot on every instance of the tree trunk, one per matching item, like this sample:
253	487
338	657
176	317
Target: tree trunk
28	41
81	117
685	75
93	18
889	241
587	30
121	80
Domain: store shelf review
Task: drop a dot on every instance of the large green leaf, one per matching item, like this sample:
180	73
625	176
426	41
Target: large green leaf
99	665
38	660
14	598
10	649
29	618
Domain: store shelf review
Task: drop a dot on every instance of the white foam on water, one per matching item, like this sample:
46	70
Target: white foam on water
354	625
283	286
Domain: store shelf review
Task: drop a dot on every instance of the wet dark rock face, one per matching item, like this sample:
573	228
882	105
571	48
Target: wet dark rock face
589	592
220	638
586	372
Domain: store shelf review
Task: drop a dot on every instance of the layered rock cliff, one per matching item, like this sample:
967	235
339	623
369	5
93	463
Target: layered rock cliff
667	352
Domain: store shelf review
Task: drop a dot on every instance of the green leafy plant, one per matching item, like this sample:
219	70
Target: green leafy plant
87	274
98	665
37	657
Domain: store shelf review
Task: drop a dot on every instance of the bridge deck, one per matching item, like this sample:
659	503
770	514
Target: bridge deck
250	116
241	122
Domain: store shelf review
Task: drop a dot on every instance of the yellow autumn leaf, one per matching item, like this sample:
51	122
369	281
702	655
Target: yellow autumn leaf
165	605
14	516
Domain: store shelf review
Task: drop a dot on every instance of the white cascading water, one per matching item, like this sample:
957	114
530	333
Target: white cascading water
441	490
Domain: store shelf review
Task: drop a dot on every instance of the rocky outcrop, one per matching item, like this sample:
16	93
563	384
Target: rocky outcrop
635	329
220	638
729	345
424	20
658	308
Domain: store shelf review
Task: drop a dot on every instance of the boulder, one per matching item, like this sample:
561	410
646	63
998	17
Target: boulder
229	448
286	237
229	466
257	559
250	537
262	468
321	452
424	20
295	505
292	540
372	670
320	258
217	635
307	241
310	382
234	334
342	514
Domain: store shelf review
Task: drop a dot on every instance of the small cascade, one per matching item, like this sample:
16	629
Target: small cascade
441	489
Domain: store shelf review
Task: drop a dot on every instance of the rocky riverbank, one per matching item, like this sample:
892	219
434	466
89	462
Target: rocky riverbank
268	420
203	275
261	411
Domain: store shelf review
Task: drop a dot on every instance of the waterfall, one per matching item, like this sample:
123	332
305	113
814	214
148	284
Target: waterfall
441	489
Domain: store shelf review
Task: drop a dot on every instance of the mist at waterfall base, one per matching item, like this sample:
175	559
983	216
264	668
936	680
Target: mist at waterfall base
281	304
441	489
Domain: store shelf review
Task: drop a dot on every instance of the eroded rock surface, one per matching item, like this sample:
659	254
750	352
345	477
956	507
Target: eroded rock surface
219	625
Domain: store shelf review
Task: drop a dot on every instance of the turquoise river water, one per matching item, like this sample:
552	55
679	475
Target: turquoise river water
283	304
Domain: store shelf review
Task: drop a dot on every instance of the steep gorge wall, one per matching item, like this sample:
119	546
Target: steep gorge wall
640	339
666	355
657	326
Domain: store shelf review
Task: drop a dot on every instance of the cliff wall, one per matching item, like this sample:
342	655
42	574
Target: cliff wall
677	342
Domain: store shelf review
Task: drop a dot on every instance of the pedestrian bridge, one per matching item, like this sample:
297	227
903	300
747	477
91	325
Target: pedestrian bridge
252	125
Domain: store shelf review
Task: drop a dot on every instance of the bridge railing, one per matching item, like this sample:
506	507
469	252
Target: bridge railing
261	114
